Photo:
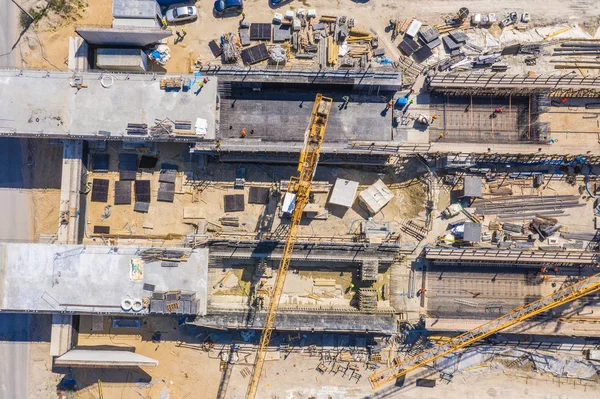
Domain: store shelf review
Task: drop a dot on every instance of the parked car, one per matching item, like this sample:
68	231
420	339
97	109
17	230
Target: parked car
223	7
279	2
181	13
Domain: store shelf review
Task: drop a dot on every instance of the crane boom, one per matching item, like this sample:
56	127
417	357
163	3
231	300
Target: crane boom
561	297
300	186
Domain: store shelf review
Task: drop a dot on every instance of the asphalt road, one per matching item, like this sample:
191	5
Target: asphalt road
8	33
14	350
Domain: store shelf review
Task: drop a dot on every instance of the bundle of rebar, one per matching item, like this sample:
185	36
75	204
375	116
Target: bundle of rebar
527	205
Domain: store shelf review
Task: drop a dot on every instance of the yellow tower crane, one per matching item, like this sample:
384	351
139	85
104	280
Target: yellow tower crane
561	297
300	187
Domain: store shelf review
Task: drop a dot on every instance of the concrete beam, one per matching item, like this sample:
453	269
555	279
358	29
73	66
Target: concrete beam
72	171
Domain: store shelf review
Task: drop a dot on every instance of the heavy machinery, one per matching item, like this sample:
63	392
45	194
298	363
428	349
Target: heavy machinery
403	366
299	188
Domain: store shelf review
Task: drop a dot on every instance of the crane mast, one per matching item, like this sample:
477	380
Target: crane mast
561	297
300	186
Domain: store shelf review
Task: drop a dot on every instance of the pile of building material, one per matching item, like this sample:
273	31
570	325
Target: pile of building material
582	55
161	54
510	208
367	300
230	48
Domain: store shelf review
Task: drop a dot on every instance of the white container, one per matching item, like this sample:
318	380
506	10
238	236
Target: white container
290	14
492	18
296	24
300	12
526	17
277	18
476	19
312	13
413	29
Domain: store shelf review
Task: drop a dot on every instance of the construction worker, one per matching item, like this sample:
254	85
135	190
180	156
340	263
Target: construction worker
218	143
346	99
243	15
183	33
543	269
243	132
498	110
389	105
164	22
441	136
351	286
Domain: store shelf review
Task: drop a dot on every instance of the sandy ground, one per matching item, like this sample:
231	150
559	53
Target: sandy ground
54	32
44	174
186	371
167	218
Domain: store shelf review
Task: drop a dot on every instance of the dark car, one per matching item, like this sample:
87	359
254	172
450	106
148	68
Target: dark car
223	7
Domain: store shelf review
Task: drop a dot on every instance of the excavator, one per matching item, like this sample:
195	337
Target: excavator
299	190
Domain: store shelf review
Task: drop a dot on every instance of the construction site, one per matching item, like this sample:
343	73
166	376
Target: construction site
303	200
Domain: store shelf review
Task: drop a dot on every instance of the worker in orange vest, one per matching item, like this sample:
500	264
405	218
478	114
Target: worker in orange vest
543	269
243	133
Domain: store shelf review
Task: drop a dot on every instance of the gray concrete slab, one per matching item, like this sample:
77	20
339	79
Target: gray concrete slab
104	358
44	104
304	321
88	279
281	112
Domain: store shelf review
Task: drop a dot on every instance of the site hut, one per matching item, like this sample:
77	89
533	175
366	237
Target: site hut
137	13
121	59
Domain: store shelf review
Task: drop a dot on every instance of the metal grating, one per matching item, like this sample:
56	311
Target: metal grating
281	33
127	166
100	190
147	162
169	263
167	176
122	193
408	46
170	166
149	287
422	54
127	175
255	54
100	162
234	203
260	32
141	207
166	192
101	229
142	191
215	49
258	195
